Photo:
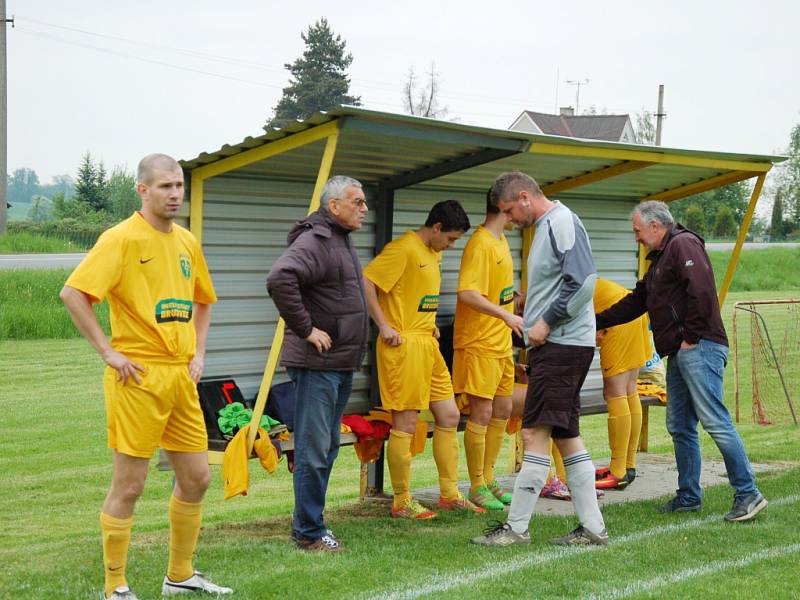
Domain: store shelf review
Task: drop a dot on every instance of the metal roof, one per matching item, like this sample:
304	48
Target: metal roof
398	150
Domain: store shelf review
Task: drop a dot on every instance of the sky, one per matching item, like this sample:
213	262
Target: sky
121	80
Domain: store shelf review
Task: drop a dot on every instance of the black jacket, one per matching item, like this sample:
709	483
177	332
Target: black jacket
317	282
678	292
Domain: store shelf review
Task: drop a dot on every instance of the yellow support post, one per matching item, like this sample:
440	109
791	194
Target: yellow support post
196	207
277	340
737	249
595	176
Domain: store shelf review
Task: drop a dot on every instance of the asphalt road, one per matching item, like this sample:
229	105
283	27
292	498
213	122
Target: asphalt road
751	245
40	261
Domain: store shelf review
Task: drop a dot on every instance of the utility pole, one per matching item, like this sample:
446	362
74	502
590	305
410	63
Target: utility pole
660	115
577	84
3	117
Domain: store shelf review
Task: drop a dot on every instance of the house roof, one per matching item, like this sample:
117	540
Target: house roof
593	127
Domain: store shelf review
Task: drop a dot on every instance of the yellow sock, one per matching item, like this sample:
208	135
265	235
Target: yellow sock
475	449
619	430
184	529
635	407
398	453
495	433
445	453
116	538
561	470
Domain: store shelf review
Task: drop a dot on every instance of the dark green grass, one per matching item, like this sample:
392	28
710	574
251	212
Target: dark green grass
28	243
760	270
31	309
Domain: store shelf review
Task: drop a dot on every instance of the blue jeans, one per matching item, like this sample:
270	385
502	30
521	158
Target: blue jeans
694	392
320	400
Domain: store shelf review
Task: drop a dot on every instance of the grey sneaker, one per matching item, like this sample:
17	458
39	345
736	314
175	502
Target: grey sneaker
746	507
675	505
121	593
196	583
581	536
501	534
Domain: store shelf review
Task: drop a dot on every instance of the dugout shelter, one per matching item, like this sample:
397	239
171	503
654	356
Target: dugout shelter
243	199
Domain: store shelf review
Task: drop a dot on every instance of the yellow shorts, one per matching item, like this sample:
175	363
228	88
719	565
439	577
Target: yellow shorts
624	347
164	410
484	377
413	374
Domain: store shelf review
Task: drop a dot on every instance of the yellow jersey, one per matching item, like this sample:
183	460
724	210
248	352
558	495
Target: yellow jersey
151	280
409	274
487	268
606	294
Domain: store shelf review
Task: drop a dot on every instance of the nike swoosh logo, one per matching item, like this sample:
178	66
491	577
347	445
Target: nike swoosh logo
142	261
114	568
423	266
499	261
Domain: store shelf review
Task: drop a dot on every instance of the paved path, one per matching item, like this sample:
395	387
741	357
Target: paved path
751	245
40	261
656	476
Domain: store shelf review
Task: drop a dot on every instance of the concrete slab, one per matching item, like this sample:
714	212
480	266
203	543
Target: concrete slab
656	476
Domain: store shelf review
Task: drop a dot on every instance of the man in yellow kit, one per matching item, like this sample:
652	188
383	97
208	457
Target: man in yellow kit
623	349
159	292
483	364
401	286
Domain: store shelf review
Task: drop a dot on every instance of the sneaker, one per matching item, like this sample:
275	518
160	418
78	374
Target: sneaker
611	482
500	493
121	593
196	583
601	472
412	510
484	498
327	543
581	536
675	505
501	534
460	504
630	475
555	489
746	507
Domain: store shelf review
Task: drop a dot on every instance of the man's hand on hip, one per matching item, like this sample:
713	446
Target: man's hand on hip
537	335
390	336
319	339
124	366
686	345
196	368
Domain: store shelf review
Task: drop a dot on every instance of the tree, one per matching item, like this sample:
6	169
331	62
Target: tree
40	210
90	185
776	222
122	196
23	184
645	128
735	196
422	99
696	219
789	178
319	78
724	223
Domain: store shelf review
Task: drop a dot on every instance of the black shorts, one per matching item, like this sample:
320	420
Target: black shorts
556	373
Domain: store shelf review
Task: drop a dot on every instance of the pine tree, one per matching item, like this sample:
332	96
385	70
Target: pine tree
776	222
88	186
319	78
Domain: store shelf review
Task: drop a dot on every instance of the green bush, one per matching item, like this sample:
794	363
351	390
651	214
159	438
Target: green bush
31	309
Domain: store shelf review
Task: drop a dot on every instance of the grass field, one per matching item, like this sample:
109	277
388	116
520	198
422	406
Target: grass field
55	472
28	243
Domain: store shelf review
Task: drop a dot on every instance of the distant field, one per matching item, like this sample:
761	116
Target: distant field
770	269
18	211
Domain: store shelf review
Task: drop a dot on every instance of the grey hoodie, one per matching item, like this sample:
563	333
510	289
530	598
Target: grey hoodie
317	282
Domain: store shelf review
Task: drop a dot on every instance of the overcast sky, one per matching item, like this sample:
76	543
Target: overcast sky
121	80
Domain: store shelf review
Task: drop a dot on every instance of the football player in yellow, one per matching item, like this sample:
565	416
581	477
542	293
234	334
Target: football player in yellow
483	365
401	286
623	350
155	278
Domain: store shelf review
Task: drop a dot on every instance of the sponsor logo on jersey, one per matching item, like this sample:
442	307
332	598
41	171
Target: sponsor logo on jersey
429	303
186	265
173	309
507	295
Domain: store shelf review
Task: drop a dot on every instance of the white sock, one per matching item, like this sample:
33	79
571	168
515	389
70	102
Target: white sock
580	474
529	483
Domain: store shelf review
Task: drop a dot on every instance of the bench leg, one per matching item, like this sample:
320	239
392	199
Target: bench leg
645	424
372	477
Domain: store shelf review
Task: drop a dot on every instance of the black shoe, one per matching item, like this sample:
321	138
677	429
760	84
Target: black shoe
630	475
746	507
675	505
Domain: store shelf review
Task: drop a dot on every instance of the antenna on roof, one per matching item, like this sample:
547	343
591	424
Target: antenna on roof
578	85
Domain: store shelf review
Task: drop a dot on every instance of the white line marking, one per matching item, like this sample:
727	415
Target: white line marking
708	569
457	579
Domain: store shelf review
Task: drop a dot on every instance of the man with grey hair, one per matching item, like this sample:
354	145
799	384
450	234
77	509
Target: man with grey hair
679	294
560	336
317	286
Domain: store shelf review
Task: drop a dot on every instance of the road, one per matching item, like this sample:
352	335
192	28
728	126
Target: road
751	245
40	261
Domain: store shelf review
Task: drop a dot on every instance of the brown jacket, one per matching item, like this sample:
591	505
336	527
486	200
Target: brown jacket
678	292
317	282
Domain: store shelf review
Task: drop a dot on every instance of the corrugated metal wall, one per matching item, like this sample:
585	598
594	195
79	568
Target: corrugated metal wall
245	225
